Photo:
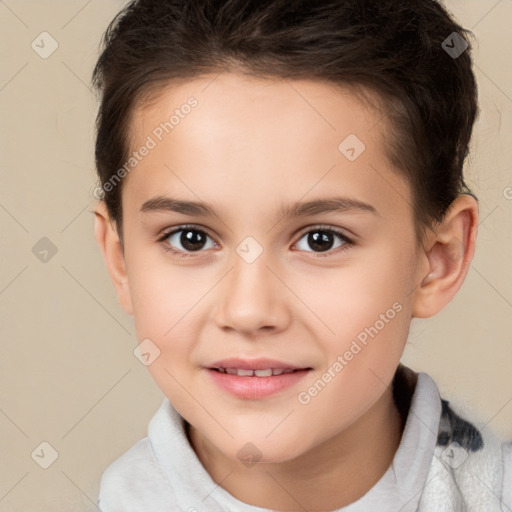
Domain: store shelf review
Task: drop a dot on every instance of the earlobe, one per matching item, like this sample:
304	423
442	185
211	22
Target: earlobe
449	255
108	240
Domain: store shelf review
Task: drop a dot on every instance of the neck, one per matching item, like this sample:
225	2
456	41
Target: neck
332	475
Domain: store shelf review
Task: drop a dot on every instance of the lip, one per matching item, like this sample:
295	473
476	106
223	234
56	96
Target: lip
254	364
254	388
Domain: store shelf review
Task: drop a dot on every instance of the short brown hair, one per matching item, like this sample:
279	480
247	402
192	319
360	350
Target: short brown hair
395	49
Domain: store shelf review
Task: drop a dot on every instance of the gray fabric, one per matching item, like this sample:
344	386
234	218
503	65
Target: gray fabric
161	473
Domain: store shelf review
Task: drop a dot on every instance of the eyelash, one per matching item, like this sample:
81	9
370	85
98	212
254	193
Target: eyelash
168	248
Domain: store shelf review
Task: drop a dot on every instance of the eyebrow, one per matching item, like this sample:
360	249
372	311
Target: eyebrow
298	209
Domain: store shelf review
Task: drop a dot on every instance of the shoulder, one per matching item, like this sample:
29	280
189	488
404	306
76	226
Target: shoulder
133	480
506	456
453	428
471	466
134	462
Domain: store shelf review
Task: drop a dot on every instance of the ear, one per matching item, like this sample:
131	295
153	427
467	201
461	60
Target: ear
113	253
449	251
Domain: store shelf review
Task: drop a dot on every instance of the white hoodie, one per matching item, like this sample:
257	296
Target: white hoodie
443	464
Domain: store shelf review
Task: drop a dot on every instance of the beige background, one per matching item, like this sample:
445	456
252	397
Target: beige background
68	373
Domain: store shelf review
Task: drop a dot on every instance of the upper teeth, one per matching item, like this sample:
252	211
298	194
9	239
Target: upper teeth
258	373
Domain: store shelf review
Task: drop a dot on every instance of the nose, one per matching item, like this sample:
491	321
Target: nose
252	298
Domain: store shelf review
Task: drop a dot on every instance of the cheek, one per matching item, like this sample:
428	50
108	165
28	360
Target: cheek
366	309
349	299
163	294
162	313
166	302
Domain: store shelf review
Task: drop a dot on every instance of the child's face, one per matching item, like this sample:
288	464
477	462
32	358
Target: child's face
249	148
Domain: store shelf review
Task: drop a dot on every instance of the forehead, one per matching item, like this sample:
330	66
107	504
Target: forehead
224	136
253	109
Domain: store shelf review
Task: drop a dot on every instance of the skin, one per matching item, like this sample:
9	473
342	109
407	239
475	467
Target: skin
250	146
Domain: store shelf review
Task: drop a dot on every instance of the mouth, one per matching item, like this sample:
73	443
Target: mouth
236	364
267	372
255	379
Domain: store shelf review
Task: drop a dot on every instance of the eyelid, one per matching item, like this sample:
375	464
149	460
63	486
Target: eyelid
170	231
166	233
344	233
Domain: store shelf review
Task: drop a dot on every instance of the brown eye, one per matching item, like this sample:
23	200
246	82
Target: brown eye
186	239
192	239
323	240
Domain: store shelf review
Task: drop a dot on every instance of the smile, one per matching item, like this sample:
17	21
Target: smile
241	372
256	384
